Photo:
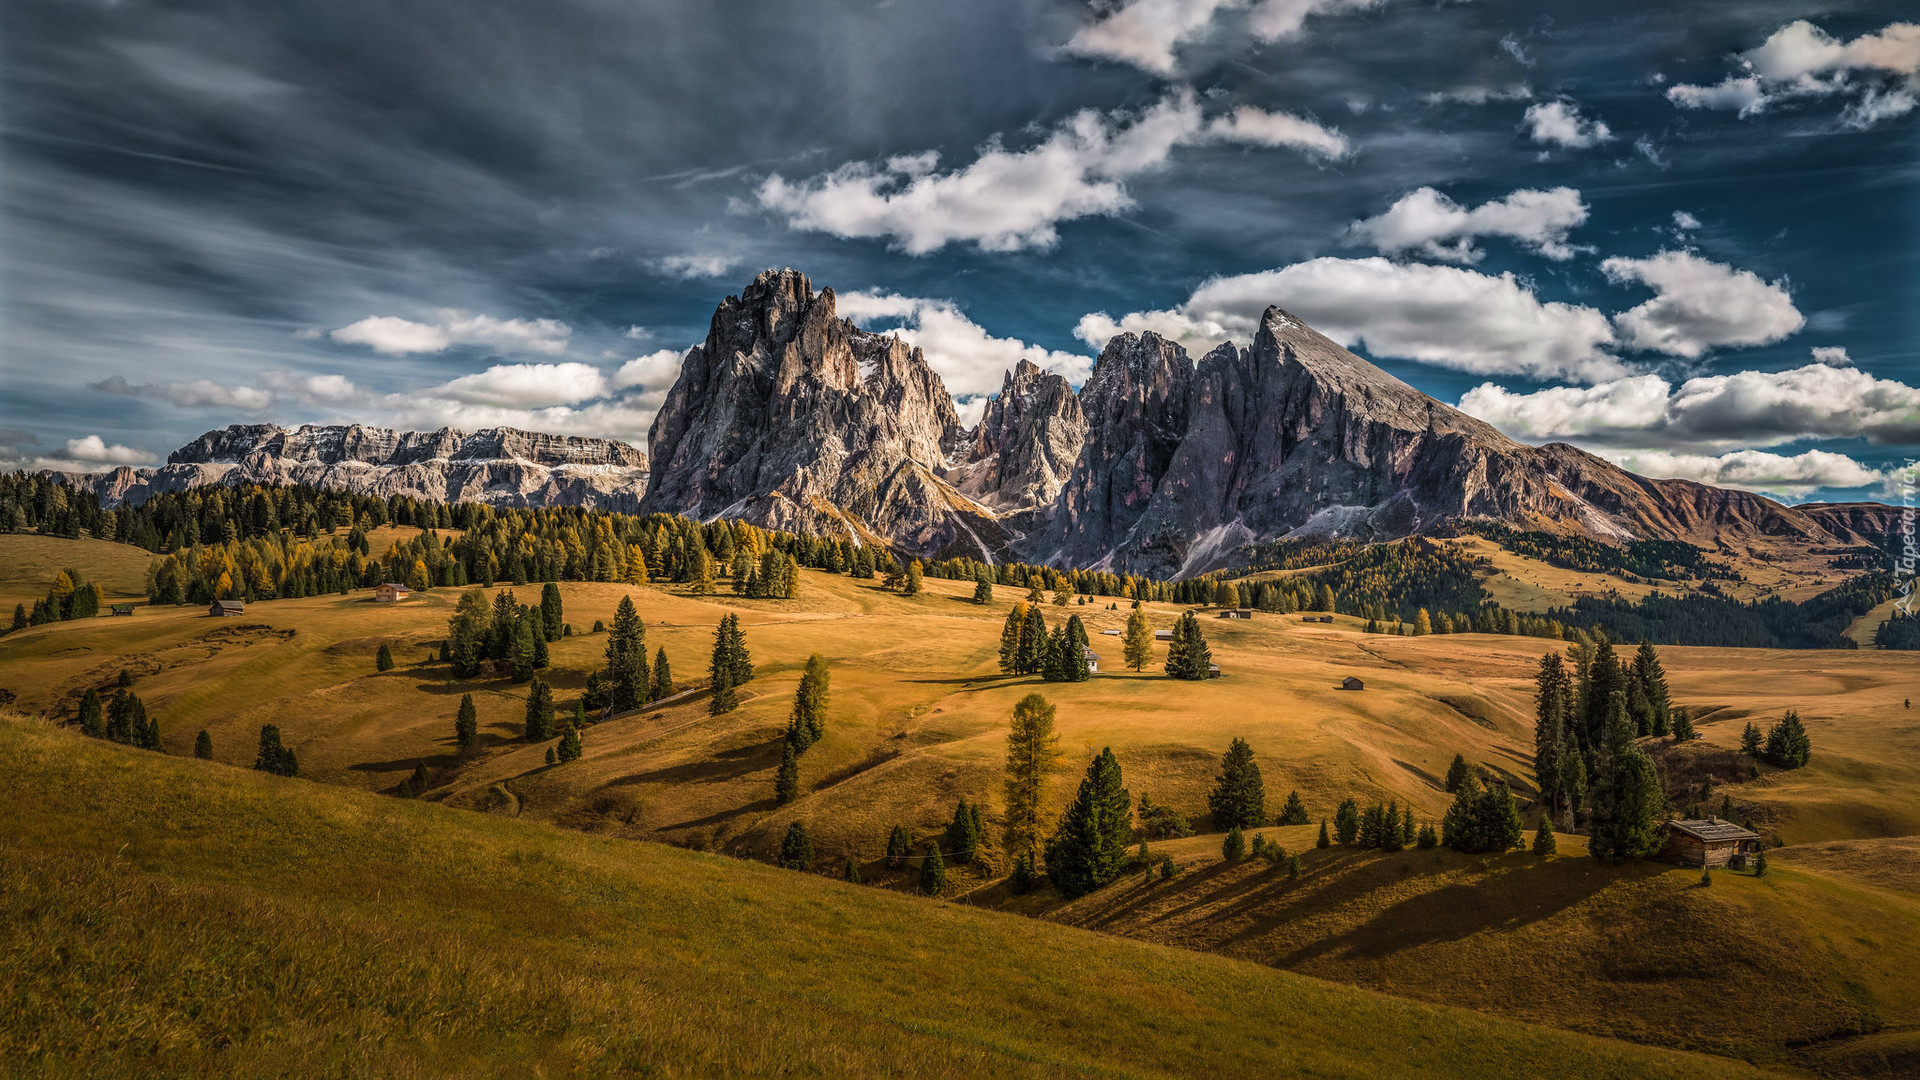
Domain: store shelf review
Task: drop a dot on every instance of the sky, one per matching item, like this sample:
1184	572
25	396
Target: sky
1683	236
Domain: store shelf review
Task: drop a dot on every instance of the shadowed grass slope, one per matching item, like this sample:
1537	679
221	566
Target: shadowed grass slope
164	916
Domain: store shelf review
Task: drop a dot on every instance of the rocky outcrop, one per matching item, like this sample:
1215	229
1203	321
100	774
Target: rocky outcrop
1026	442
500	466
790	417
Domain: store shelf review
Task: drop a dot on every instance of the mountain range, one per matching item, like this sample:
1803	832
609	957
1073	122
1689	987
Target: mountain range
791	417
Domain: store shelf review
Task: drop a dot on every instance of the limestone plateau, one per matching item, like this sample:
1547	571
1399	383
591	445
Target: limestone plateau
791	417
500	466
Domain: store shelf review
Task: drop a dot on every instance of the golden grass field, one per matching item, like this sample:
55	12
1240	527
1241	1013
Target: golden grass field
162	916
919	716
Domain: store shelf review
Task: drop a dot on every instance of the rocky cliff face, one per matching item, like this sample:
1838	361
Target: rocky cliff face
790	417
501	466
1026	442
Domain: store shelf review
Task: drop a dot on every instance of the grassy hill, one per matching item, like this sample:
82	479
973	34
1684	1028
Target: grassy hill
1824	949
166	916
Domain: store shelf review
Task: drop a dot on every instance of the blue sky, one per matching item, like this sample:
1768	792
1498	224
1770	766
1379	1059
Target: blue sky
1686	236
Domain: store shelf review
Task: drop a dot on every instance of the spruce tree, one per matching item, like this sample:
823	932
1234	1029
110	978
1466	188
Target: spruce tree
852	873
1750	739
539	726
982	587
625	681
466	725
417	784
1650	680
796	849
786	781
1010	634
1760	863
808	721
1787	743
1238	797
552	617
569	748
1293	811
93	719
1552	704
1458	774
1628	797
467	633
1033	749
933	872
899	846
203	746
1073	666
963	833
1234	847
1033	642
1138	649
383	660
662	686
1324	841
1683	729
1089	849
522	650
274	757
1544	843
1427	838
1346	823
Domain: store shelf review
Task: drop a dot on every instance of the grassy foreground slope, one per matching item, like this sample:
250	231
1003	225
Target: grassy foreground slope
164	916
1822	950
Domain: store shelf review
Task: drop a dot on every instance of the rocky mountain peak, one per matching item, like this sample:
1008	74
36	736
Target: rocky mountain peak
1026	442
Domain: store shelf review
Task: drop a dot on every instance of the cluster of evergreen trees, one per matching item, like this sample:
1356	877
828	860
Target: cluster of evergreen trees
1709	617
805	726
1027	648
122	718
1480	819
1785	744
275	757
504	631
731	666
71	596
1899	632
1671	560
1187	654
1589	711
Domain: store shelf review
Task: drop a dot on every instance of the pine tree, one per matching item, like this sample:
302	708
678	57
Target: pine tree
1294	812
1324	841
1139	640
808	721
786	782
20	617
93	720
625	680
1750	739
1552	702
899	846
539	727
466	725
933	872
1544	842
1187	654
1239	797
1650	684
982	587
203	746
552	616
1089	849
418	783
1010	635
1628	797
274	757
383	660
1033	642
1458	774
1427	839
1683	729
796	849
963	833
1787	743
852	873
569	748
522	650
730	667
1033	749
1760	863
468	631
662	687
1234	847
1346	823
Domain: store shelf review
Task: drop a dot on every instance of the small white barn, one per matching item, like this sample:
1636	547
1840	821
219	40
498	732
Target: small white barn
1093	660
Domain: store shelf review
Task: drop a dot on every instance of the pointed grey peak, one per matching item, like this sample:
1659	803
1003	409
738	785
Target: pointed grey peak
1027	440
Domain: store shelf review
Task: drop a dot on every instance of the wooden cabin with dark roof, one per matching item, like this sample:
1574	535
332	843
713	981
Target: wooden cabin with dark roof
1709	842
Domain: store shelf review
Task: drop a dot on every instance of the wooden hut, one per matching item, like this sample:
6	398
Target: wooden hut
221	609
1237	613
123	609
1352	683
389	592
1708	842
1093	660
1163	635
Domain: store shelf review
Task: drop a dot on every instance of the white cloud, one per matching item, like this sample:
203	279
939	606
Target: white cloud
1440	315
1755	470
1684	221
697	265
1699	305
655	371
969	360
1147	33
1005	200
1747	408
1479	95
190	394
1559	123
524	386
1436	226
93	450
394	336
1832	356
1880	71
1259	127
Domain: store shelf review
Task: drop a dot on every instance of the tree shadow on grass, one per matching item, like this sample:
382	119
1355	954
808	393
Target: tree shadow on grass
725	765
1431	780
